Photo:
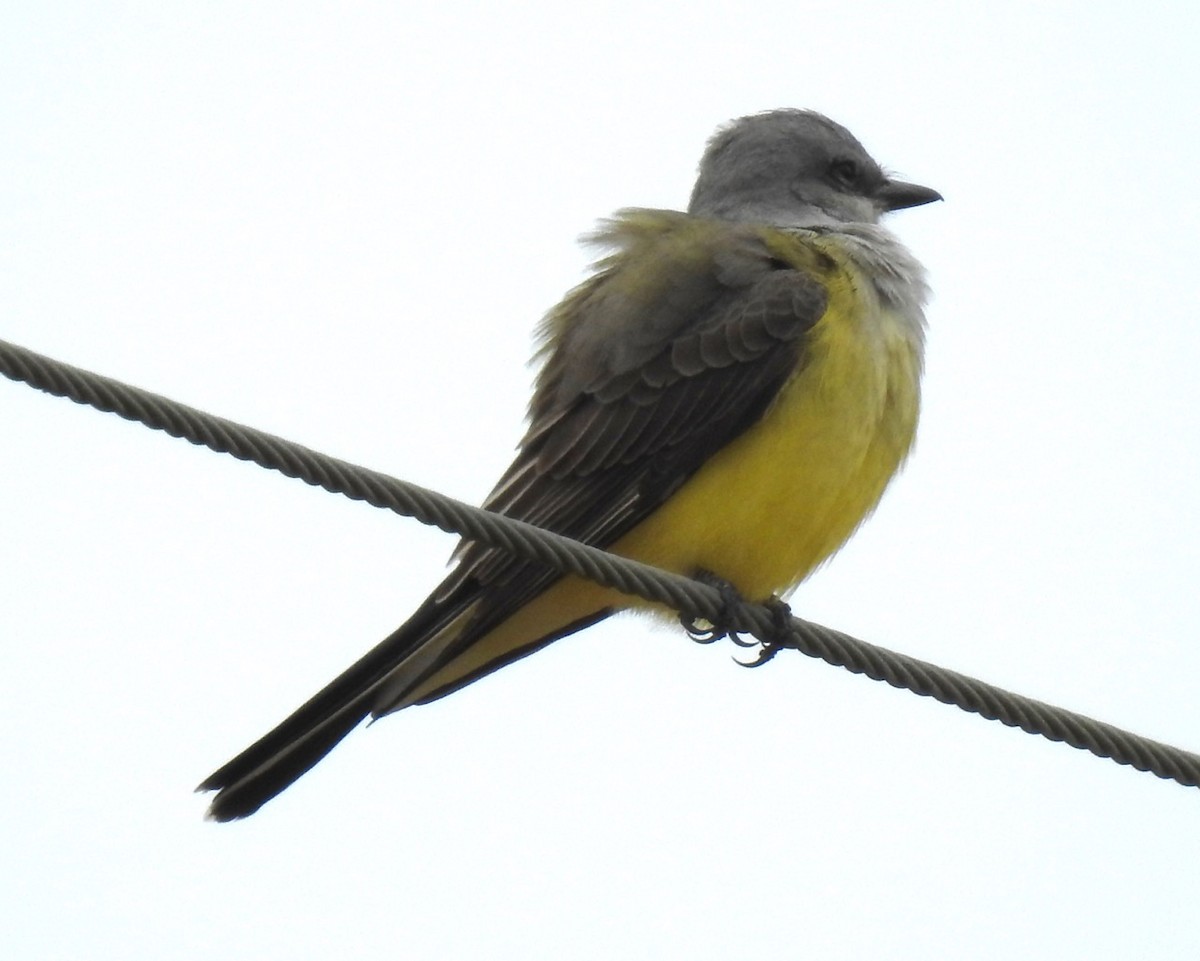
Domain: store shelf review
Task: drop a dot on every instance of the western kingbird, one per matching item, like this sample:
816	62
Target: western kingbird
730	392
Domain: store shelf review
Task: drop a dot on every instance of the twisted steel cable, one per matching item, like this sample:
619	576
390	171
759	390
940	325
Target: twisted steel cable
696	599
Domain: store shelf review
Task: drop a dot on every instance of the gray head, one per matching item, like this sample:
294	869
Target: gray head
795	168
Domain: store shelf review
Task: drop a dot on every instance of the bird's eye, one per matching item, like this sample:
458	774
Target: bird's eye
845	172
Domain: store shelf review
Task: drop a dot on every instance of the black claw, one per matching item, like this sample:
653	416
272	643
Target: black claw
709	634
737	639
766	653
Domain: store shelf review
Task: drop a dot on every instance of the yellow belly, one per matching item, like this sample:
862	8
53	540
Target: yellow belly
780	499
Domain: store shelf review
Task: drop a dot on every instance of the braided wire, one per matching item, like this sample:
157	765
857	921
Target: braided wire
627	576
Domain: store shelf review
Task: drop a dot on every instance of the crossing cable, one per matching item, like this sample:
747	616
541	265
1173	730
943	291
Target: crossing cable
627	576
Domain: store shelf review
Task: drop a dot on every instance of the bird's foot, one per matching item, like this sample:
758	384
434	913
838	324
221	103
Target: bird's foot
703	631
781	619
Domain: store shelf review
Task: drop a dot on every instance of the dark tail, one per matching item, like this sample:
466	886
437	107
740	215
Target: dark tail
278	758
376	684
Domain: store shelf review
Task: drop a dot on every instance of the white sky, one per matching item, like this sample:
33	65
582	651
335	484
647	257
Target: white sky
340	223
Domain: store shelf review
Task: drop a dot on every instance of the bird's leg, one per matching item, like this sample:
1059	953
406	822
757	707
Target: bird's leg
781	627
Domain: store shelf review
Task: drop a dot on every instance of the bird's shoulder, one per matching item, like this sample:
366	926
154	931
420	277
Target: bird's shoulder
676	295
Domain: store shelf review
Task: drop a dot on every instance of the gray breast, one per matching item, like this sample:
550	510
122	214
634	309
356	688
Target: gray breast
898	276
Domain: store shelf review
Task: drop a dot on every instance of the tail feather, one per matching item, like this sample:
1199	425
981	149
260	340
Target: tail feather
277	759
242	795
453	639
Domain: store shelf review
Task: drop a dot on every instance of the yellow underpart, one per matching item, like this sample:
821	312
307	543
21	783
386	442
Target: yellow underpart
776	502
773	504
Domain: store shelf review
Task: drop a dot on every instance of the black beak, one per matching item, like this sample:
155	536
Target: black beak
896	195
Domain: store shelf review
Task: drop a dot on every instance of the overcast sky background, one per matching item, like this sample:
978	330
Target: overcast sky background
340	223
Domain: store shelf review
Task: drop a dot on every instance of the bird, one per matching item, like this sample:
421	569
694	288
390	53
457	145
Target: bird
727	394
